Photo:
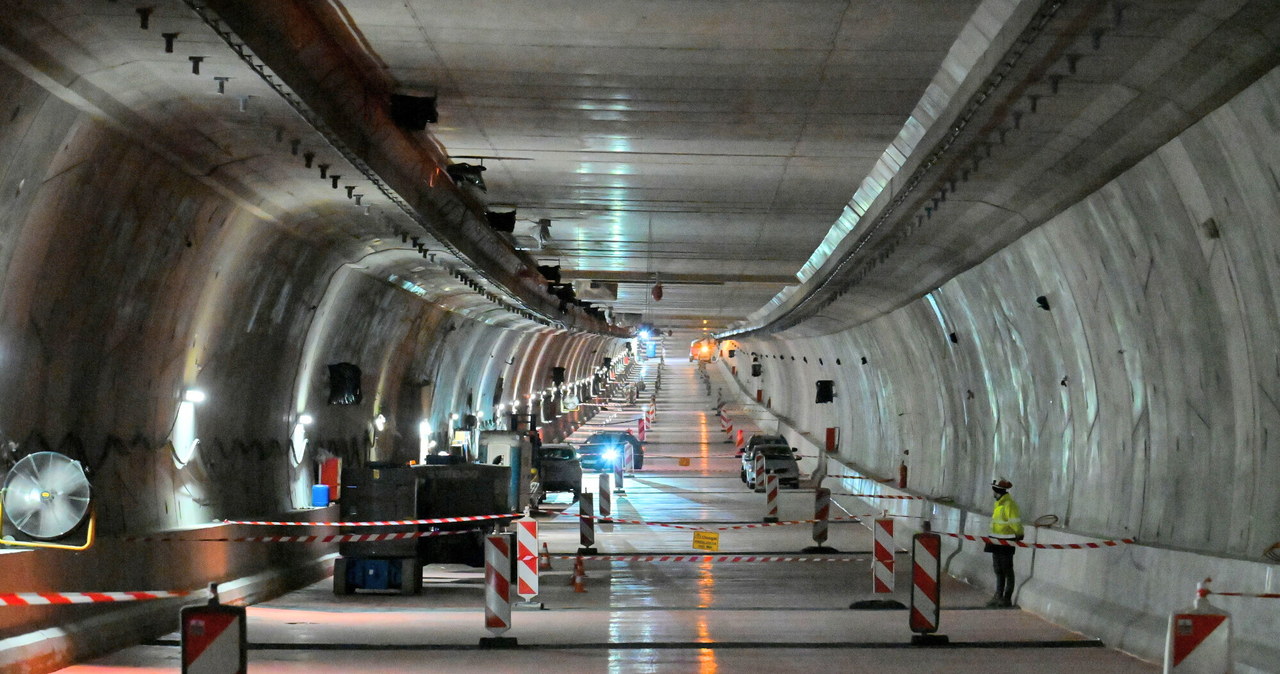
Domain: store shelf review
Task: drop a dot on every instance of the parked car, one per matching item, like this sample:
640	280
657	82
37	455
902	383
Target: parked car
779	460
559	469
603	450
758	439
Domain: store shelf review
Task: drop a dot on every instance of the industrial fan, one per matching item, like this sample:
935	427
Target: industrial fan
46	498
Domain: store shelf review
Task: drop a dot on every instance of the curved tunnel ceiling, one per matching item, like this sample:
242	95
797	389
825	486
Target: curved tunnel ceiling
802	166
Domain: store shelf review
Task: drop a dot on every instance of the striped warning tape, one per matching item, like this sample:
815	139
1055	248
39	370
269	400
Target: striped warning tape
332	538
1265	595
1042	546
893	496
861	477
701	558
49	598
735	527
382	523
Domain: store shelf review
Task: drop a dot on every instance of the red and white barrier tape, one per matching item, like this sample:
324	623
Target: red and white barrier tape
331	538
1265	595
50	598
893	496
1042	546
385	523
861	477
759	525
701	558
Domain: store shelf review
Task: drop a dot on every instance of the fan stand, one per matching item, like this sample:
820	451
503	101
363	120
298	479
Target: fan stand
88	541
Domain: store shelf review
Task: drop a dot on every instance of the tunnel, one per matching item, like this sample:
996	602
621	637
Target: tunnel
267	263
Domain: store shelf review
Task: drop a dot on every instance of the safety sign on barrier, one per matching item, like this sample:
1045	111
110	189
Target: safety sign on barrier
706	540
497	582
1199	638
926	573
771	498
882	559
527	558
214	638
586	523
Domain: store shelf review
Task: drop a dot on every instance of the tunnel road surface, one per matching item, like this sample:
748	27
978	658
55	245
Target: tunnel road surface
644	616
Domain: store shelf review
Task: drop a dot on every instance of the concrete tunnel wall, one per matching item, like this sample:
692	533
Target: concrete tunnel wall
126	282
1142	403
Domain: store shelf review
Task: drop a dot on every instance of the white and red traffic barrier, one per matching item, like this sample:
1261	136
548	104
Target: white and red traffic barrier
379	523
58	598
527	558
771	498
926	574
586	523
882	557
606	495
214	638
497	583
717	559
821	514
758	464
1199	638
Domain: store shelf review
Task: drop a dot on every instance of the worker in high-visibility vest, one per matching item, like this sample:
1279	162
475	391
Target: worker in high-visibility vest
1006	524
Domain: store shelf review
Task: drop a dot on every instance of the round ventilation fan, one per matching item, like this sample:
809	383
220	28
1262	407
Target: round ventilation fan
46	495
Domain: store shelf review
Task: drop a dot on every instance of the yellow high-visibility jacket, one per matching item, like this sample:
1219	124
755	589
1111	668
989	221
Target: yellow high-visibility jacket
1006	519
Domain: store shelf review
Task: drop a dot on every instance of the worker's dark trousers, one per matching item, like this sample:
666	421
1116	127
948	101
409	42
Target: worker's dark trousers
1002	562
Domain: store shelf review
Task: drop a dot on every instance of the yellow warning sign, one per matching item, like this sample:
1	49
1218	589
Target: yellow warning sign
684	460
706	540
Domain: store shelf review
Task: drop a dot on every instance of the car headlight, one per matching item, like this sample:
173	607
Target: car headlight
610	455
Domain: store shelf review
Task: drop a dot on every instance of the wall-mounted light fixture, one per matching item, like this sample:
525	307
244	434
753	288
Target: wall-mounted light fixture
194	395
379	423
306	419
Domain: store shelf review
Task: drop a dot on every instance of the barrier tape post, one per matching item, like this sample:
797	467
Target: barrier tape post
214	637
882	560
606	498
758	463
1199	638
771	498
527	558
497	596
821	521
587	524
926	571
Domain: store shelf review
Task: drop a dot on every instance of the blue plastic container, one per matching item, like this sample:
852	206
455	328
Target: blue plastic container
319	495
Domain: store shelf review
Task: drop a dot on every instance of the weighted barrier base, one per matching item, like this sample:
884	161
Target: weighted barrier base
528	606
929	639
819	549
878	605
588	551
498	642
770	520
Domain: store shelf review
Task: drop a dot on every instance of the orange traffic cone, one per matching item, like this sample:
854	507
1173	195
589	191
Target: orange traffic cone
579	574
544	559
